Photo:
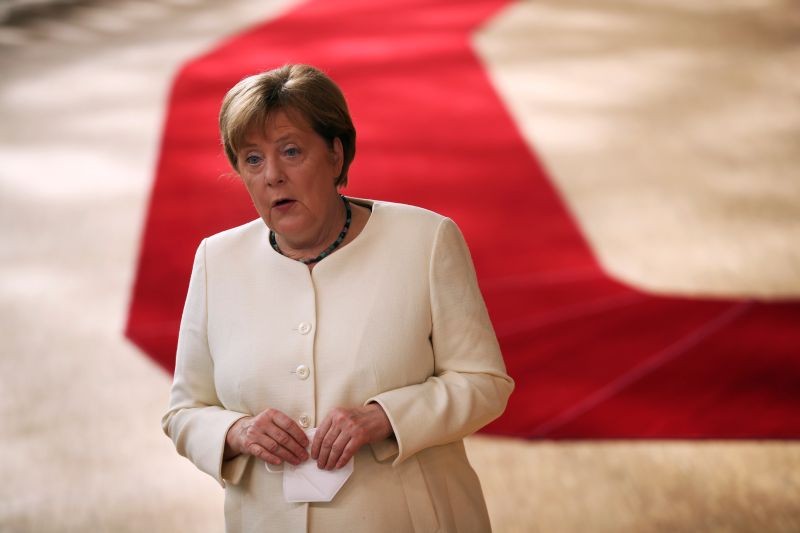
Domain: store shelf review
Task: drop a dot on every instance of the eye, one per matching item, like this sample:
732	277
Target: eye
291	151
252	159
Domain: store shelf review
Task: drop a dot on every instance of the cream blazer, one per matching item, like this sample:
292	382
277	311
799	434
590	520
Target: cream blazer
394	317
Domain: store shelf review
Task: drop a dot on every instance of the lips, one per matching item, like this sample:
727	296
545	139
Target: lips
282	202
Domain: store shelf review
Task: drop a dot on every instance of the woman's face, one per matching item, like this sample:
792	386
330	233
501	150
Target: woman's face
290	173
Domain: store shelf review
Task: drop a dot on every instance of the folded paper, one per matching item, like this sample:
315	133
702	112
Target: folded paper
308	483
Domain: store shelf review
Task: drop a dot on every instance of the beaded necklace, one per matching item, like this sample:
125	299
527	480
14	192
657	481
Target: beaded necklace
327	251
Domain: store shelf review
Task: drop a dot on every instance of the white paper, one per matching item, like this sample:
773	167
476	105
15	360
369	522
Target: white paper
308	483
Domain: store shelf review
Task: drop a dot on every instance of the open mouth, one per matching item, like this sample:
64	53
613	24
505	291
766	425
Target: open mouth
282	202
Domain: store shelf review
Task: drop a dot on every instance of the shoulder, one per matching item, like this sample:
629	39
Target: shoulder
237	238
409	235
409	217
419	222
406	211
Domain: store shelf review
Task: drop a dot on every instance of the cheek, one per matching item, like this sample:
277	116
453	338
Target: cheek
253	182
256	192
249	186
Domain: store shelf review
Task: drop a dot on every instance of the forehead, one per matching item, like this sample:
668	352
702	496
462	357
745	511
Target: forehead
278	125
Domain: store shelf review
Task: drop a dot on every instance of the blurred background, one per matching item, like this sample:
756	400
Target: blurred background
640	156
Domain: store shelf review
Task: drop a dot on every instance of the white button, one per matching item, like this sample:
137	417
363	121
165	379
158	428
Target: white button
304	327
302	372
303	421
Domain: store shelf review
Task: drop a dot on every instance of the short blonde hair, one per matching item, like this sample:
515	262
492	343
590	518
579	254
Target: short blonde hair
300	88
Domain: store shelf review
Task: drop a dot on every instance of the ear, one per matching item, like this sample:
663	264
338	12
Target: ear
337	155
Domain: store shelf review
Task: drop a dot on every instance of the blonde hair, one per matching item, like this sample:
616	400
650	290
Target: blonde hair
300	88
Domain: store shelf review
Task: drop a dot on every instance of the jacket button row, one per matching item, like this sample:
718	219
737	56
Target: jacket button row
304	328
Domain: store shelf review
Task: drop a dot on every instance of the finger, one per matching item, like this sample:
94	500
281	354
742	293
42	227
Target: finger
336	450
275	448
283	430
349	451
287	424
287	442
318	436
257	450
327	444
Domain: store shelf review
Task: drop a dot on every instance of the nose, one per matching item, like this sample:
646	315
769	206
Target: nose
273	173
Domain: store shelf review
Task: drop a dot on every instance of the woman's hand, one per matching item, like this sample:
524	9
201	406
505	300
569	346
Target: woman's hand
344	431
270	435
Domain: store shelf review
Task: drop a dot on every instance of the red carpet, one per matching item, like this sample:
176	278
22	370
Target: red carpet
592	358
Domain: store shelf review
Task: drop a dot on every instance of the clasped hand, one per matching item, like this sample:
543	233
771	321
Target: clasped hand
274	437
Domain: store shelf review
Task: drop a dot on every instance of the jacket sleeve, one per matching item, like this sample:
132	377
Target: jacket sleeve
469	387
195	420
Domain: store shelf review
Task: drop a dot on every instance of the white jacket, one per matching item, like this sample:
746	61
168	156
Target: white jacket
396	317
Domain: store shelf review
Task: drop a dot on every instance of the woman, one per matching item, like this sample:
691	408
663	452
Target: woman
359	318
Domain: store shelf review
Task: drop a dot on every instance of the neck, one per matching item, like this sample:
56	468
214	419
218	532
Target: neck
312	245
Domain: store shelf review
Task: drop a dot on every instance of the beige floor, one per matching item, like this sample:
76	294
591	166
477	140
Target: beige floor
671	128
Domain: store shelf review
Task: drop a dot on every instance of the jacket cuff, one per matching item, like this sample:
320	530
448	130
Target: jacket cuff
233	469
385	449
389	447
230	472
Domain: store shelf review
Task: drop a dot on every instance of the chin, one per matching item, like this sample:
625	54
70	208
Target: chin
285	228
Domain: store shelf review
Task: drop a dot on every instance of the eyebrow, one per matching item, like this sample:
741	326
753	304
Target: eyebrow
276	141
